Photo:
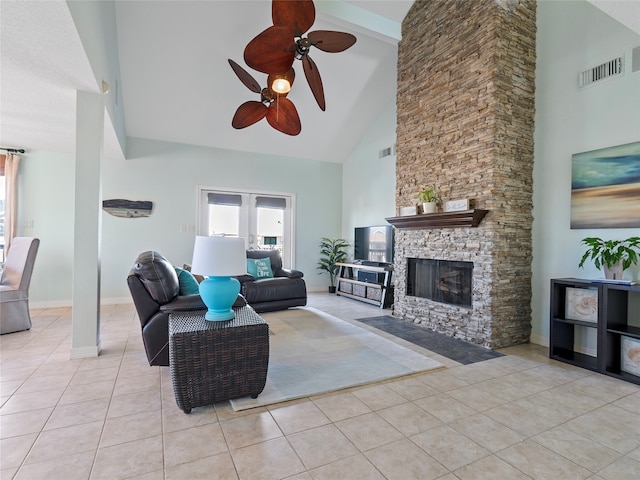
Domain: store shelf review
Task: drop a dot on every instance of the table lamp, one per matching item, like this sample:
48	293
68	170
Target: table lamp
218	259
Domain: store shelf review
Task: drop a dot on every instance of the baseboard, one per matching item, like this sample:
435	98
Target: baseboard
85	352
318	289
51	304
539	340
544	341
116	301
68	303
592	352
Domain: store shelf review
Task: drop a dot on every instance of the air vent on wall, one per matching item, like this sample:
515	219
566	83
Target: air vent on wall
612	68
387	152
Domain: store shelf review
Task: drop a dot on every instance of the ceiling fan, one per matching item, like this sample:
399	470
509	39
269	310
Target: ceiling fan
280	112
274	50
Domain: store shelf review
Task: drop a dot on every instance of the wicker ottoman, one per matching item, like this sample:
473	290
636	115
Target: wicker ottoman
215	361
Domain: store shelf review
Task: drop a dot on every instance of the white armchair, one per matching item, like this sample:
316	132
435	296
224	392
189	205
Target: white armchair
14	285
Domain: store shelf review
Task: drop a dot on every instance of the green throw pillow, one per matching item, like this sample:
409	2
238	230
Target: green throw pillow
259	267
188	283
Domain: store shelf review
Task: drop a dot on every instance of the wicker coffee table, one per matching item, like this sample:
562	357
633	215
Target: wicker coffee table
215	361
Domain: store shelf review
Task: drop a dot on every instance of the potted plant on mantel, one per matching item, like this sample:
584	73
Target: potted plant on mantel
332	252
614	255
429	198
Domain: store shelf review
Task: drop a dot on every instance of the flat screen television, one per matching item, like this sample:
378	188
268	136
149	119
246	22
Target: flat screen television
374	244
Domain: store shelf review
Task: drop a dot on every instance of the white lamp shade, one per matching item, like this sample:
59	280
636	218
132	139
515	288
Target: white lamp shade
219	256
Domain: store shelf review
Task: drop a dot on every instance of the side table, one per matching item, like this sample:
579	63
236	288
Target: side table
215	361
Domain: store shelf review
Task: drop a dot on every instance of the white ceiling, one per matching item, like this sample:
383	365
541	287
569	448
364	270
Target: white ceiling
176	84
42	64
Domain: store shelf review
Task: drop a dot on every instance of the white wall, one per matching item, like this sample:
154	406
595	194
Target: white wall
46	210
167	174
369	188
572	37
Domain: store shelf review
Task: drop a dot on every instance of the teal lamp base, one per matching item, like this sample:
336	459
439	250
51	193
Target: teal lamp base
219	294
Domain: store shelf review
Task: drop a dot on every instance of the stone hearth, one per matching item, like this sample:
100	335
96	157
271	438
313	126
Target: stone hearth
466	76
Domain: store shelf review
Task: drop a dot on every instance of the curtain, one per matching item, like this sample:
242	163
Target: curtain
11	164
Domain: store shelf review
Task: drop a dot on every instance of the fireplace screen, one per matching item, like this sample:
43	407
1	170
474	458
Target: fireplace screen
440	280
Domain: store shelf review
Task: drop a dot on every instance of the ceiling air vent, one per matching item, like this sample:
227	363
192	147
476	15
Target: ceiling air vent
612	68
387	152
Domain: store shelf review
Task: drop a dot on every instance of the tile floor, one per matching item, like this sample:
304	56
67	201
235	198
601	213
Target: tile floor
113	417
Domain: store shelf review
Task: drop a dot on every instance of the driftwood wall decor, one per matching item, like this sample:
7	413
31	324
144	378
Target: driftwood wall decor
128	208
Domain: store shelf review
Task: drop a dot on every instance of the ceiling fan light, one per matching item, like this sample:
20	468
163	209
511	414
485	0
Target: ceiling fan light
281	85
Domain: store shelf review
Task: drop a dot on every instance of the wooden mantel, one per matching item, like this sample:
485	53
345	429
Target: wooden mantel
463	218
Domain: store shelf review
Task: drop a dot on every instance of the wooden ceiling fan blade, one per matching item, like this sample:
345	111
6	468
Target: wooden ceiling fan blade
283	116
245	77
297	14
330	41
249	113
269	51
314	80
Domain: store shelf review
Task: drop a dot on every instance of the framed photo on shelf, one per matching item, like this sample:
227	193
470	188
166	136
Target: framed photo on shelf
406	211
630	355
581	304
457	205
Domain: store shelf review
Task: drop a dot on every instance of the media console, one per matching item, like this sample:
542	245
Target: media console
366	282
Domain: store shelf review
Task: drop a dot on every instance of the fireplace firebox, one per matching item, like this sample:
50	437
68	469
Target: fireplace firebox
443	281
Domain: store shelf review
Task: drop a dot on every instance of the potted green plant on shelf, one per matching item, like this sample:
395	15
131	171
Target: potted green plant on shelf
615	256
332	252
429	198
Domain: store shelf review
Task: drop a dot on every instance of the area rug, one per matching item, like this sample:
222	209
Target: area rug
452	348
312	352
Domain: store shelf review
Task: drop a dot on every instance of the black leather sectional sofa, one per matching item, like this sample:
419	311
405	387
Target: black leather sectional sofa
155	289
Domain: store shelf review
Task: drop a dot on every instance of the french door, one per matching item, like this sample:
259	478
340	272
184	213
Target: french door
264	220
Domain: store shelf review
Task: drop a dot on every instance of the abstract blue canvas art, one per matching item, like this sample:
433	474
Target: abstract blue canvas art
605	187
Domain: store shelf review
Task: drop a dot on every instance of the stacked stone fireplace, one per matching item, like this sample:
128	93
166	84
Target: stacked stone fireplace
466	73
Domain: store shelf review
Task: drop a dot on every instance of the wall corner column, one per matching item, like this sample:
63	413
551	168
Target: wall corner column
87	225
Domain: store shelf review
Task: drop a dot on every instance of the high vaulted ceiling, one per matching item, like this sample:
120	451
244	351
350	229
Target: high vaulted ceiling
175	82
178	86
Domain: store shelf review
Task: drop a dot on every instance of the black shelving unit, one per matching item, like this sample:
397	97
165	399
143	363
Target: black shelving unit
616	325
612	322
562	332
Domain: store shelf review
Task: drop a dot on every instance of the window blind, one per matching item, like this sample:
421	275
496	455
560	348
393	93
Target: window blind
225	199
277	203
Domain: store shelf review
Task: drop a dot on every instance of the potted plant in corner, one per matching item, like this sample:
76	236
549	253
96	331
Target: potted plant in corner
614	255
429	198
332	252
